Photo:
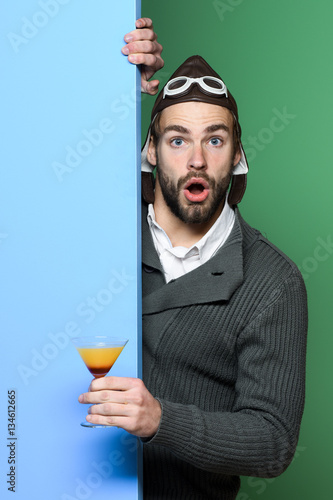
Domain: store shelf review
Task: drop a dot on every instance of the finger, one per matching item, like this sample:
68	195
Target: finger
112	383
145	47
109	420
144	22
108	409
94	397
100	397
149	60
137	35
129	424
149	87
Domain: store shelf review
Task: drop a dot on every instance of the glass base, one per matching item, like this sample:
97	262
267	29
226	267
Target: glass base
95	426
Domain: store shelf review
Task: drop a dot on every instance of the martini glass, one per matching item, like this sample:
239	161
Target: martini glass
99	354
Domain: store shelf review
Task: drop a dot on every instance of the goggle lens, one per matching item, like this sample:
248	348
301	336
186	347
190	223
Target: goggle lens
173	84
213	83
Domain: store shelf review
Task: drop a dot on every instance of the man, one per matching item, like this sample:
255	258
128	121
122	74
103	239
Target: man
224	311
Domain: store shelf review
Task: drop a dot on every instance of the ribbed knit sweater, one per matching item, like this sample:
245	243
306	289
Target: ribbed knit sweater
224	352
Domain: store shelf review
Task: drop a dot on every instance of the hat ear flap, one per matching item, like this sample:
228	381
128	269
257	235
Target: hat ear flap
237	189
147	187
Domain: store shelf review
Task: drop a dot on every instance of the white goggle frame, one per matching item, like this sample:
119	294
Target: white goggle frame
200	81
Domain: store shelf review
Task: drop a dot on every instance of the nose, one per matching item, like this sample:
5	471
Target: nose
197	159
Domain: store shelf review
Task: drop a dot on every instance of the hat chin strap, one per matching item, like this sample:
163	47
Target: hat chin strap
241	167
147	187
237	189
238	181
147	178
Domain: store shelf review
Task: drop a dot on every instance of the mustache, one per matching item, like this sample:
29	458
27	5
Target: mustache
195	175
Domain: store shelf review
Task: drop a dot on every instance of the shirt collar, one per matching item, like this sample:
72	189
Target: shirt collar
206	246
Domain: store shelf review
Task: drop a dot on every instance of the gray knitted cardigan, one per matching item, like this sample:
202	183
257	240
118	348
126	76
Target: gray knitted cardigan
224	352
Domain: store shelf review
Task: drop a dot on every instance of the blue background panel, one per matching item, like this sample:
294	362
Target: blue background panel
69	240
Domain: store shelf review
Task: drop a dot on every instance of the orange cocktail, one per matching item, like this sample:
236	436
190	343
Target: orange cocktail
99	360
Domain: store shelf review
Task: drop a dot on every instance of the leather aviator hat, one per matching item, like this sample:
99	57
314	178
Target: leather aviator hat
195	80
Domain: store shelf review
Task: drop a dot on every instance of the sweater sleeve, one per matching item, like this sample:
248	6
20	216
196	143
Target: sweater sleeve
259	436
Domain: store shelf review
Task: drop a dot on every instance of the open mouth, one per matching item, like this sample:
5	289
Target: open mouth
196	189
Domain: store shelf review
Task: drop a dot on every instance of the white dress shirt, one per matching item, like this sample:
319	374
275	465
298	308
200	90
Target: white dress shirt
177	261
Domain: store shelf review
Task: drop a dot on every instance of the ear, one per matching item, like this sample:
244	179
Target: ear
151	153
237	157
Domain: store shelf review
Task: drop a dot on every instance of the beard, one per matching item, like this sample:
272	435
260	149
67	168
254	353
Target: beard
193	212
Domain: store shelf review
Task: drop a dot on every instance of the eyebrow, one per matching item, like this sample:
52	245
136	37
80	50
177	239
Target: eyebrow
176	128
184	130
218	126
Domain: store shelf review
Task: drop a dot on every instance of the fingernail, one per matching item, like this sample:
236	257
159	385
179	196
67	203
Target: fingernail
81	399
128	38
125	50
132	58
139	24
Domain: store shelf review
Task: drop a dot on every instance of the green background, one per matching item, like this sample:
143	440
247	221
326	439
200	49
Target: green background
277	55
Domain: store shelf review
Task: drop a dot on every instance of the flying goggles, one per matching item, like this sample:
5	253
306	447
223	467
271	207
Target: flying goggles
208	84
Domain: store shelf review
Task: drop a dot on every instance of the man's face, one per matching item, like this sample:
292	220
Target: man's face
194	159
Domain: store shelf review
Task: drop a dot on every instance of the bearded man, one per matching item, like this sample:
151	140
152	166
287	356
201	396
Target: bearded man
224	311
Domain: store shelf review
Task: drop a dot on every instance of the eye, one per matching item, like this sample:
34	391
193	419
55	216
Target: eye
216	141
177	142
